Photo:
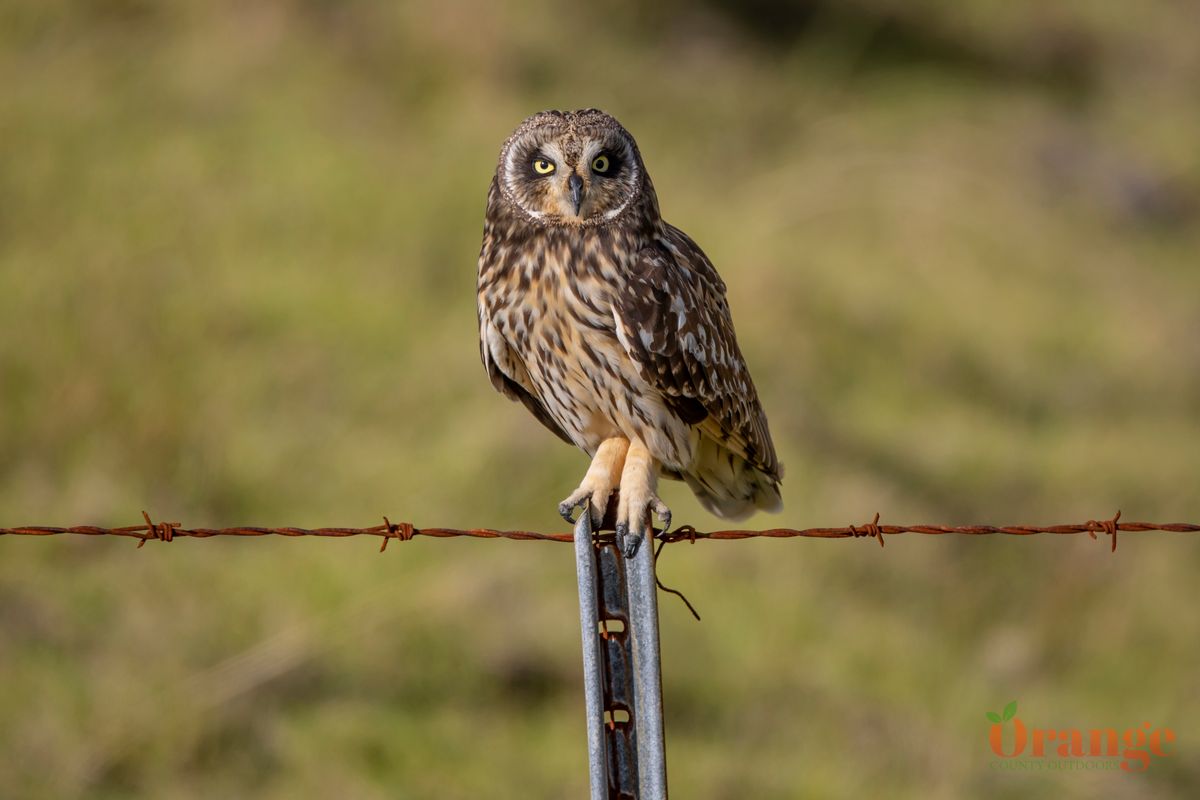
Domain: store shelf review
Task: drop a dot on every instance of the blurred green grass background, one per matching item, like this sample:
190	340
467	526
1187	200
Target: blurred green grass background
237	257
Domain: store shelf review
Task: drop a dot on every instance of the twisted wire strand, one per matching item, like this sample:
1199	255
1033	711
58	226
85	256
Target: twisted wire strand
405	531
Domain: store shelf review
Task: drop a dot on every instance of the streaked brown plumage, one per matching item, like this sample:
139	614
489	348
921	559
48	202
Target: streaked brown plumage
612	328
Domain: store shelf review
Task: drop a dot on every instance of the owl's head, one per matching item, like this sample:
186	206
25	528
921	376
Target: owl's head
571	168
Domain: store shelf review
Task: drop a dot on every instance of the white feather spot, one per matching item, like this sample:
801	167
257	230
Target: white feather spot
680	311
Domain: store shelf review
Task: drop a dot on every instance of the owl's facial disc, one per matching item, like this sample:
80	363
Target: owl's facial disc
561	173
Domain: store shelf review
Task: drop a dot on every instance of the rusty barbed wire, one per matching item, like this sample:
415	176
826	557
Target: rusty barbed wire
405	531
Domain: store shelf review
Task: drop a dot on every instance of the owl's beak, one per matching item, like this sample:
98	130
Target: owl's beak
575	184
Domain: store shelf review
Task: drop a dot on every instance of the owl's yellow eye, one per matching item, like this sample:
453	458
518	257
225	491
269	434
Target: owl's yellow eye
542	167
600	164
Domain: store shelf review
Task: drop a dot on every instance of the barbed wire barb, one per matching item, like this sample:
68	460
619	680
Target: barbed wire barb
870	529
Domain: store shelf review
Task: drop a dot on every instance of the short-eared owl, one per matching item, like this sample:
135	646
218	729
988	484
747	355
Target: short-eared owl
612	327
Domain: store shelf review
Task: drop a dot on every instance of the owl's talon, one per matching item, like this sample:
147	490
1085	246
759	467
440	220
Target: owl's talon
632	545
663	513
626	542
582	499
596	488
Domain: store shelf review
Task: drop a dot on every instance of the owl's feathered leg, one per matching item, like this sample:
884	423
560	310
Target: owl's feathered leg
639	484
598	483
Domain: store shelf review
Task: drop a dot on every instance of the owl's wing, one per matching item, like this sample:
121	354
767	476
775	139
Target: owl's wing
508	374
674	322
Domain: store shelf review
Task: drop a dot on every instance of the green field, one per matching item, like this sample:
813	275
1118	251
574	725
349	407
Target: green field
237	265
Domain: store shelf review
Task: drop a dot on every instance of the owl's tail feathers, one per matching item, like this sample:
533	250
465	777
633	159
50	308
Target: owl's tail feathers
729	486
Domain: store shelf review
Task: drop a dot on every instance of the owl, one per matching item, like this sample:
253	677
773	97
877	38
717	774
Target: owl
611	326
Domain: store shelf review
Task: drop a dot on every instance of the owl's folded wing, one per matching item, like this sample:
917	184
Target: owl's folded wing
674	322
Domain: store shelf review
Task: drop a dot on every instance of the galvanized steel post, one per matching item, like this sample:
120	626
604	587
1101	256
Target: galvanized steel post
593	671
647	680
618	613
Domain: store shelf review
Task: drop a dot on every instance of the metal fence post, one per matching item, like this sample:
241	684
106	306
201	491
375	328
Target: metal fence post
589	622
618	613
643	611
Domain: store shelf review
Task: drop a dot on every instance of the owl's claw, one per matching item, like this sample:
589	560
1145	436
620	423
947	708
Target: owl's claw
630	542
588	494
567	511
663	513
628	545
